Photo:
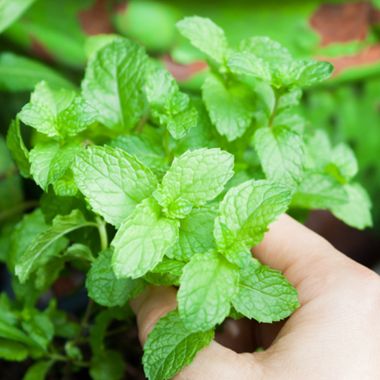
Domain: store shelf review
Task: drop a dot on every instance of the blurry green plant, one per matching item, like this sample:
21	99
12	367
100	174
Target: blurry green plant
144	184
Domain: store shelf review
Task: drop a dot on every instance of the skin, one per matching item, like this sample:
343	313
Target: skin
335	334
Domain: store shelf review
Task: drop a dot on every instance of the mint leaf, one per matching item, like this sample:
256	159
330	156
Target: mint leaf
62	225
146	148
343	157
281	153
143	240
230	107
171	346
12	351
18	73
264	294
56	112
50	161
18	149
194	178
206	36
104	288
207	286
356	212
38	371
39	328
107	365
113	181
167	272
195	233
320	191
169	106
246	63
310	72
113	84
9	332
11	10
244	216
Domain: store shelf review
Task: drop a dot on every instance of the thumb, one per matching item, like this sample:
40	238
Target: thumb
214	362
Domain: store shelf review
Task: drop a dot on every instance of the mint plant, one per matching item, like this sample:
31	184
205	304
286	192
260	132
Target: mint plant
144	184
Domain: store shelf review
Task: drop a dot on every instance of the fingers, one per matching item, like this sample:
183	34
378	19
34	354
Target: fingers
302	255
214	362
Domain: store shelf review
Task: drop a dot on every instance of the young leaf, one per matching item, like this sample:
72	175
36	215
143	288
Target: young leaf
195	233
45	106
319	191
143	240
231	107
356	212
104	288
246	63
169	106
9	332
343	157
171	346
244	216
50	161
206	36
38	371
33	255
207	286
167	272
18	149
281	153
193	179
113	181
310	72
113	84
12	351
264	294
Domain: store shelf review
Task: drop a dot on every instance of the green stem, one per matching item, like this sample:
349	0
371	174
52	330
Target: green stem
102	233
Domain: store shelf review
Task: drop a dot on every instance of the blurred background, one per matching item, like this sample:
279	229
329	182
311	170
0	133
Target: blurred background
46	40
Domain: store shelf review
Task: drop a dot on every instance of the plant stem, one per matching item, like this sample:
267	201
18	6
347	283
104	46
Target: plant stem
102	233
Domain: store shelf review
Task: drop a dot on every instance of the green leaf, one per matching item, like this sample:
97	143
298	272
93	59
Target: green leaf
281	153
18	149
44	108
11	10
38	371
319	191
244	216
12	351
113	181
107	365
39	328
171	346
143	240
98	41
311	72
39	247
194	178
79	251
167	272
50	161
195	233
146	149
13	333
246	63
264	294
343	157
103	286
19	73
356	212
169	106
205	36
207	286
113	84
231	107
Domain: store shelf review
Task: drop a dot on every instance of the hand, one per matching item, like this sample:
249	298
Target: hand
335	334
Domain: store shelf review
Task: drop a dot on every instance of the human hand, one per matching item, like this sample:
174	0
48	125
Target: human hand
335	334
